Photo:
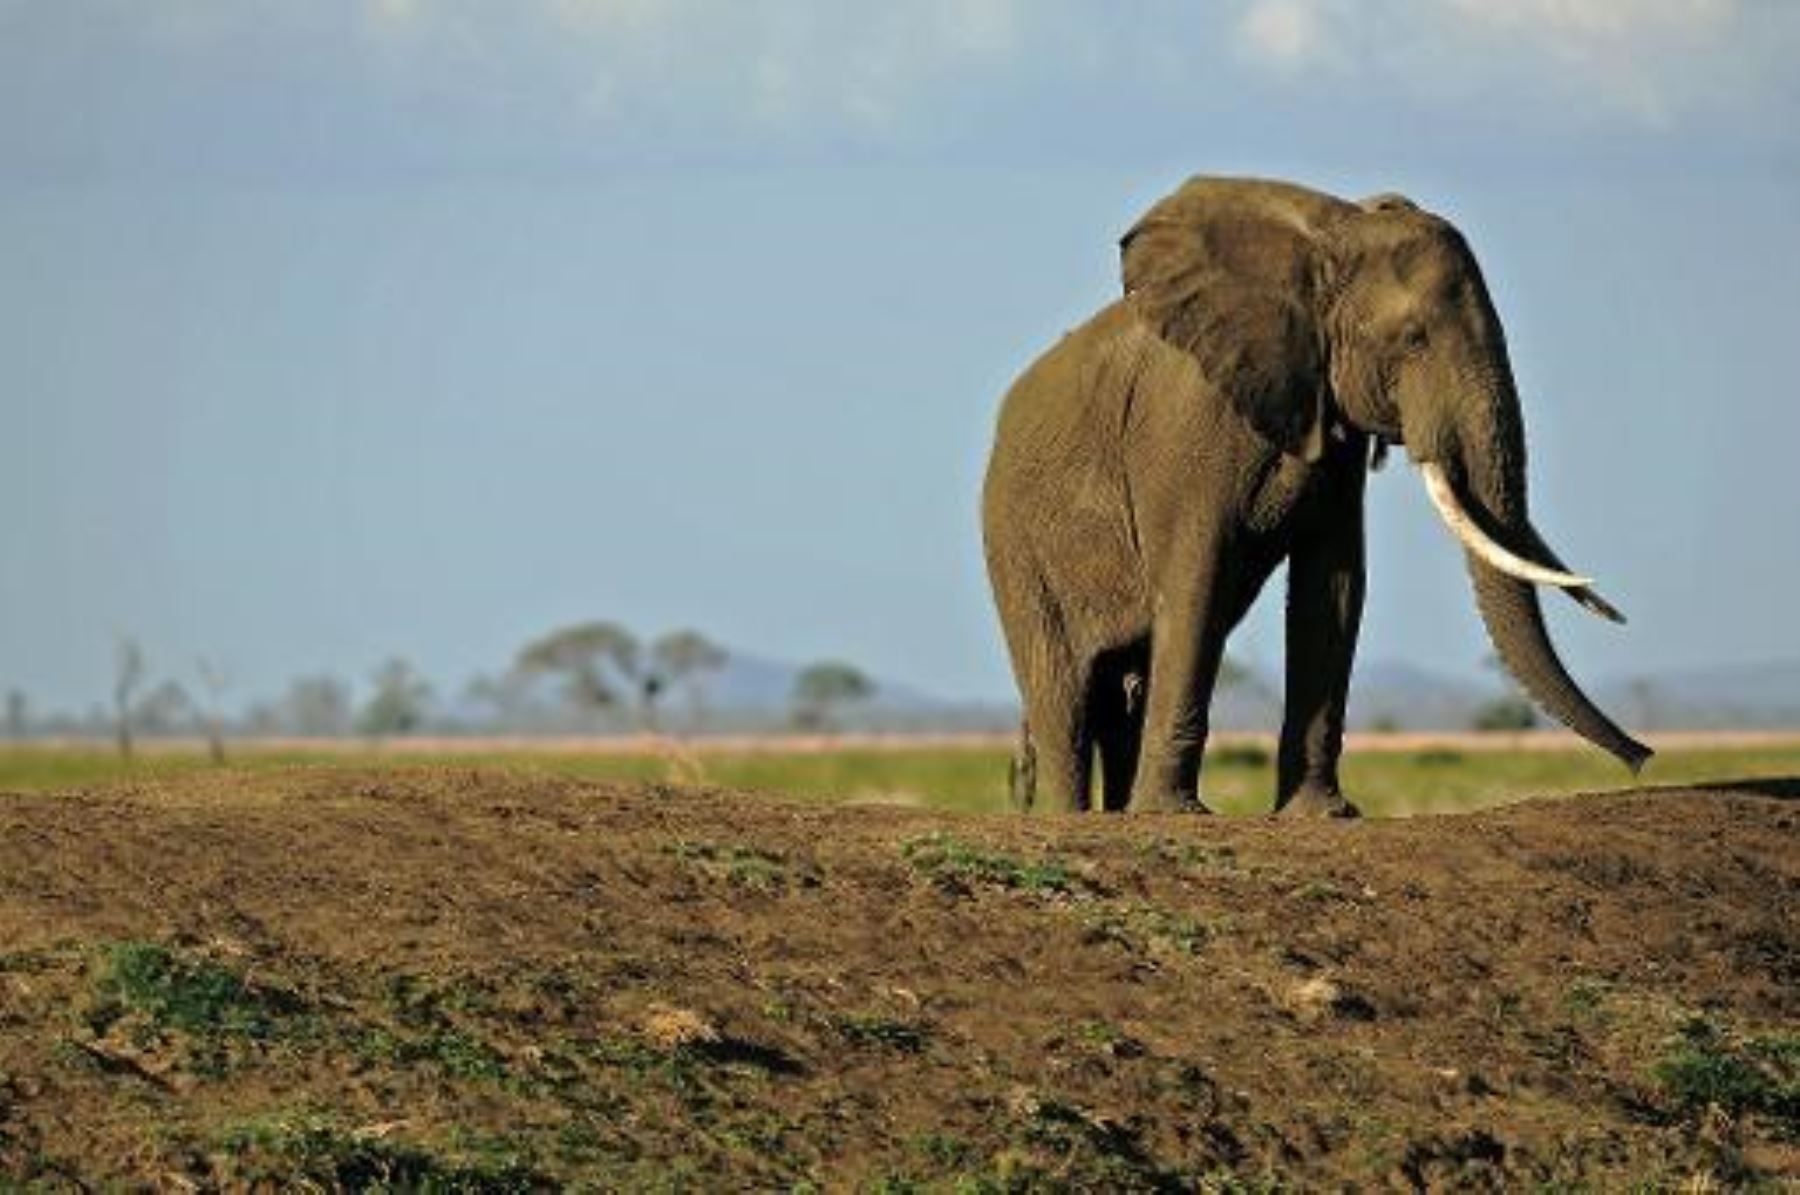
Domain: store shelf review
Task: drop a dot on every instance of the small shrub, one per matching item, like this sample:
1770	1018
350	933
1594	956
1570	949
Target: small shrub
195	996
1760	1076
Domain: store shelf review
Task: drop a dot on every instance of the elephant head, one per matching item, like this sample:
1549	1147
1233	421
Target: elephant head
1312	313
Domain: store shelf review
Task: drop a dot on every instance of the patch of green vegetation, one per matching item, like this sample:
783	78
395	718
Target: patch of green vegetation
1705	1068
456	1053
1107	1038
1587	997
746	867
1320	892
1143	927
1057	1145
177	991
571	1063
315	1151
417	1000
876	1029
942	1151
1192	856
952	862
37	960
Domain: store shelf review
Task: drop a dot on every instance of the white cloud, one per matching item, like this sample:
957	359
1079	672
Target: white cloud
1629	53
1600	19
1647	59
767	65
1287	34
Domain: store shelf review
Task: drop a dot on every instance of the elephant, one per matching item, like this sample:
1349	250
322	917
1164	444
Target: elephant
1151	470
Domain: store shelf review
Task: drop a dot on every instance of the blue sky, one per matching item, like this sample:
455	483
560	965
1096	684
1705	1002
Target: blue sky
331	330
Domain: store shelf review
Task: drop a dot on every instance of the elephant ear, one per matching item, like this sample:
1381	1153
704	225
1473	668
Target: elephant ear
1226	270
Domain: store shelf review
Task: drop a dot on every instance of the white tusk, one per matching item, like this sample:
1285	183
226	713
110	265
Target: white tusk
1443	496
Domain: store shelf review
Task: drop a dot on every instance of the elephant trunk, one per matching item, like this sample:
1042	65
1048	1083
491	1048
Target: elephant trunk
1490	456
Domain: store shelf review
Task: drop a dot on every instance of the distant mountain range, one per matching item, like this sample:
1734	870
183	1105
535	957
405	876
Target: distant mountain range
1385	693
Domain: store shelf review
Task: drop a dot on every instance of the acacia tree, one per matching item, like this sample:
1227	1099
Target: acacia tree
398	704
317	706
598	661
681	658
822	689
163	710
18	714
128	673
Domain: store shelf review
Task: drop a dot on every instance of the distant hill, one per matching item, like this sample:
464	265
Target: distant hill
754	693
1754	696
1385	694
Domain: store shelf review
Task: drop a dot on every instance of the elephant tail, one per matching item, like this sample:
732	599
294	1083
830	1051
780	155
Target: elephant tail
1021	774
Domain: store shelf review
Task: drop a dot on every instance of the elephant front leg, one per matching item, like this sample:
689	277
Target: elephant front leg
1187	641
1324	612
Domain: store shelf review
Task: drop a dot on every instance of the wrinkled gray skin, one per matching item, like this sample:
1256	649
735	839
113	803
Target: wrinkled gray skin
1152	469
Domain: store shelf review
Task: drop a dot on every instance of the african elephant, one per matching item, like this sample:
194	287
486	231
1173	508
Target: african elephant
1153	468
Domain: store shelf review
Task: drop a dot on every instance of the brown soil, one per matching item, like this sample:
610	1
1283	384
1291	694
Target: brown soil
489	979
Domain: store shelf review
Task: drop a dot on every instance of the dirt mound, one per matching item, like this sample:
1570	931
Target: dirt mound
491	979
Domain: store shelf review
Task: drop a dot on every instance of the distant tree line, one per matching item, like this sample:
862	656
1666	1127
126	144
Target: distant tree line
589	677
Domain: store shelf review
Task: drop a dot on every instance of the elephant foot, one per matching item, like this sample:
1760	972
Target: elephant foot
1167	803
1318	802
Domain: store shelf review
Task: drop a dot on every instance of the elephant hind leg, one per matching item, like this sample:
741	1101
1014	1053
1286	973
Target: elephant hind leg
1116	705
1062	750
1053	768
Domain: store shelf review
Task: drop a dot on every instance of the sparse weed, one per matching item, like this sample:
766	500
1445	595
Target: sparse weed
942	1150
1192	856
1226	1182
1143	927
1106	1038
1587	997
1082	1151
893	1184
951	862
875	1029
746	867
458	1054
1320	892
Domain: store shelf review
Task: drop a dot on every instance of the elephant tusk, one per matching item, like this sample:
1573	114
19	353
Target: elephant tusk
1443	496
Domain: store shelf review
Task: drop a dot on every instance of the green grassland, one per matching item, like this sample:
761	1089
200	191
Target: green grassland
1239	776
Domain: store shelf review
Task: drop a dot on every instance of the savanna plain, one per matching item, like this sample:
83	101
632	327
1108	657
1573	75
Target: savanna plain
845	966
